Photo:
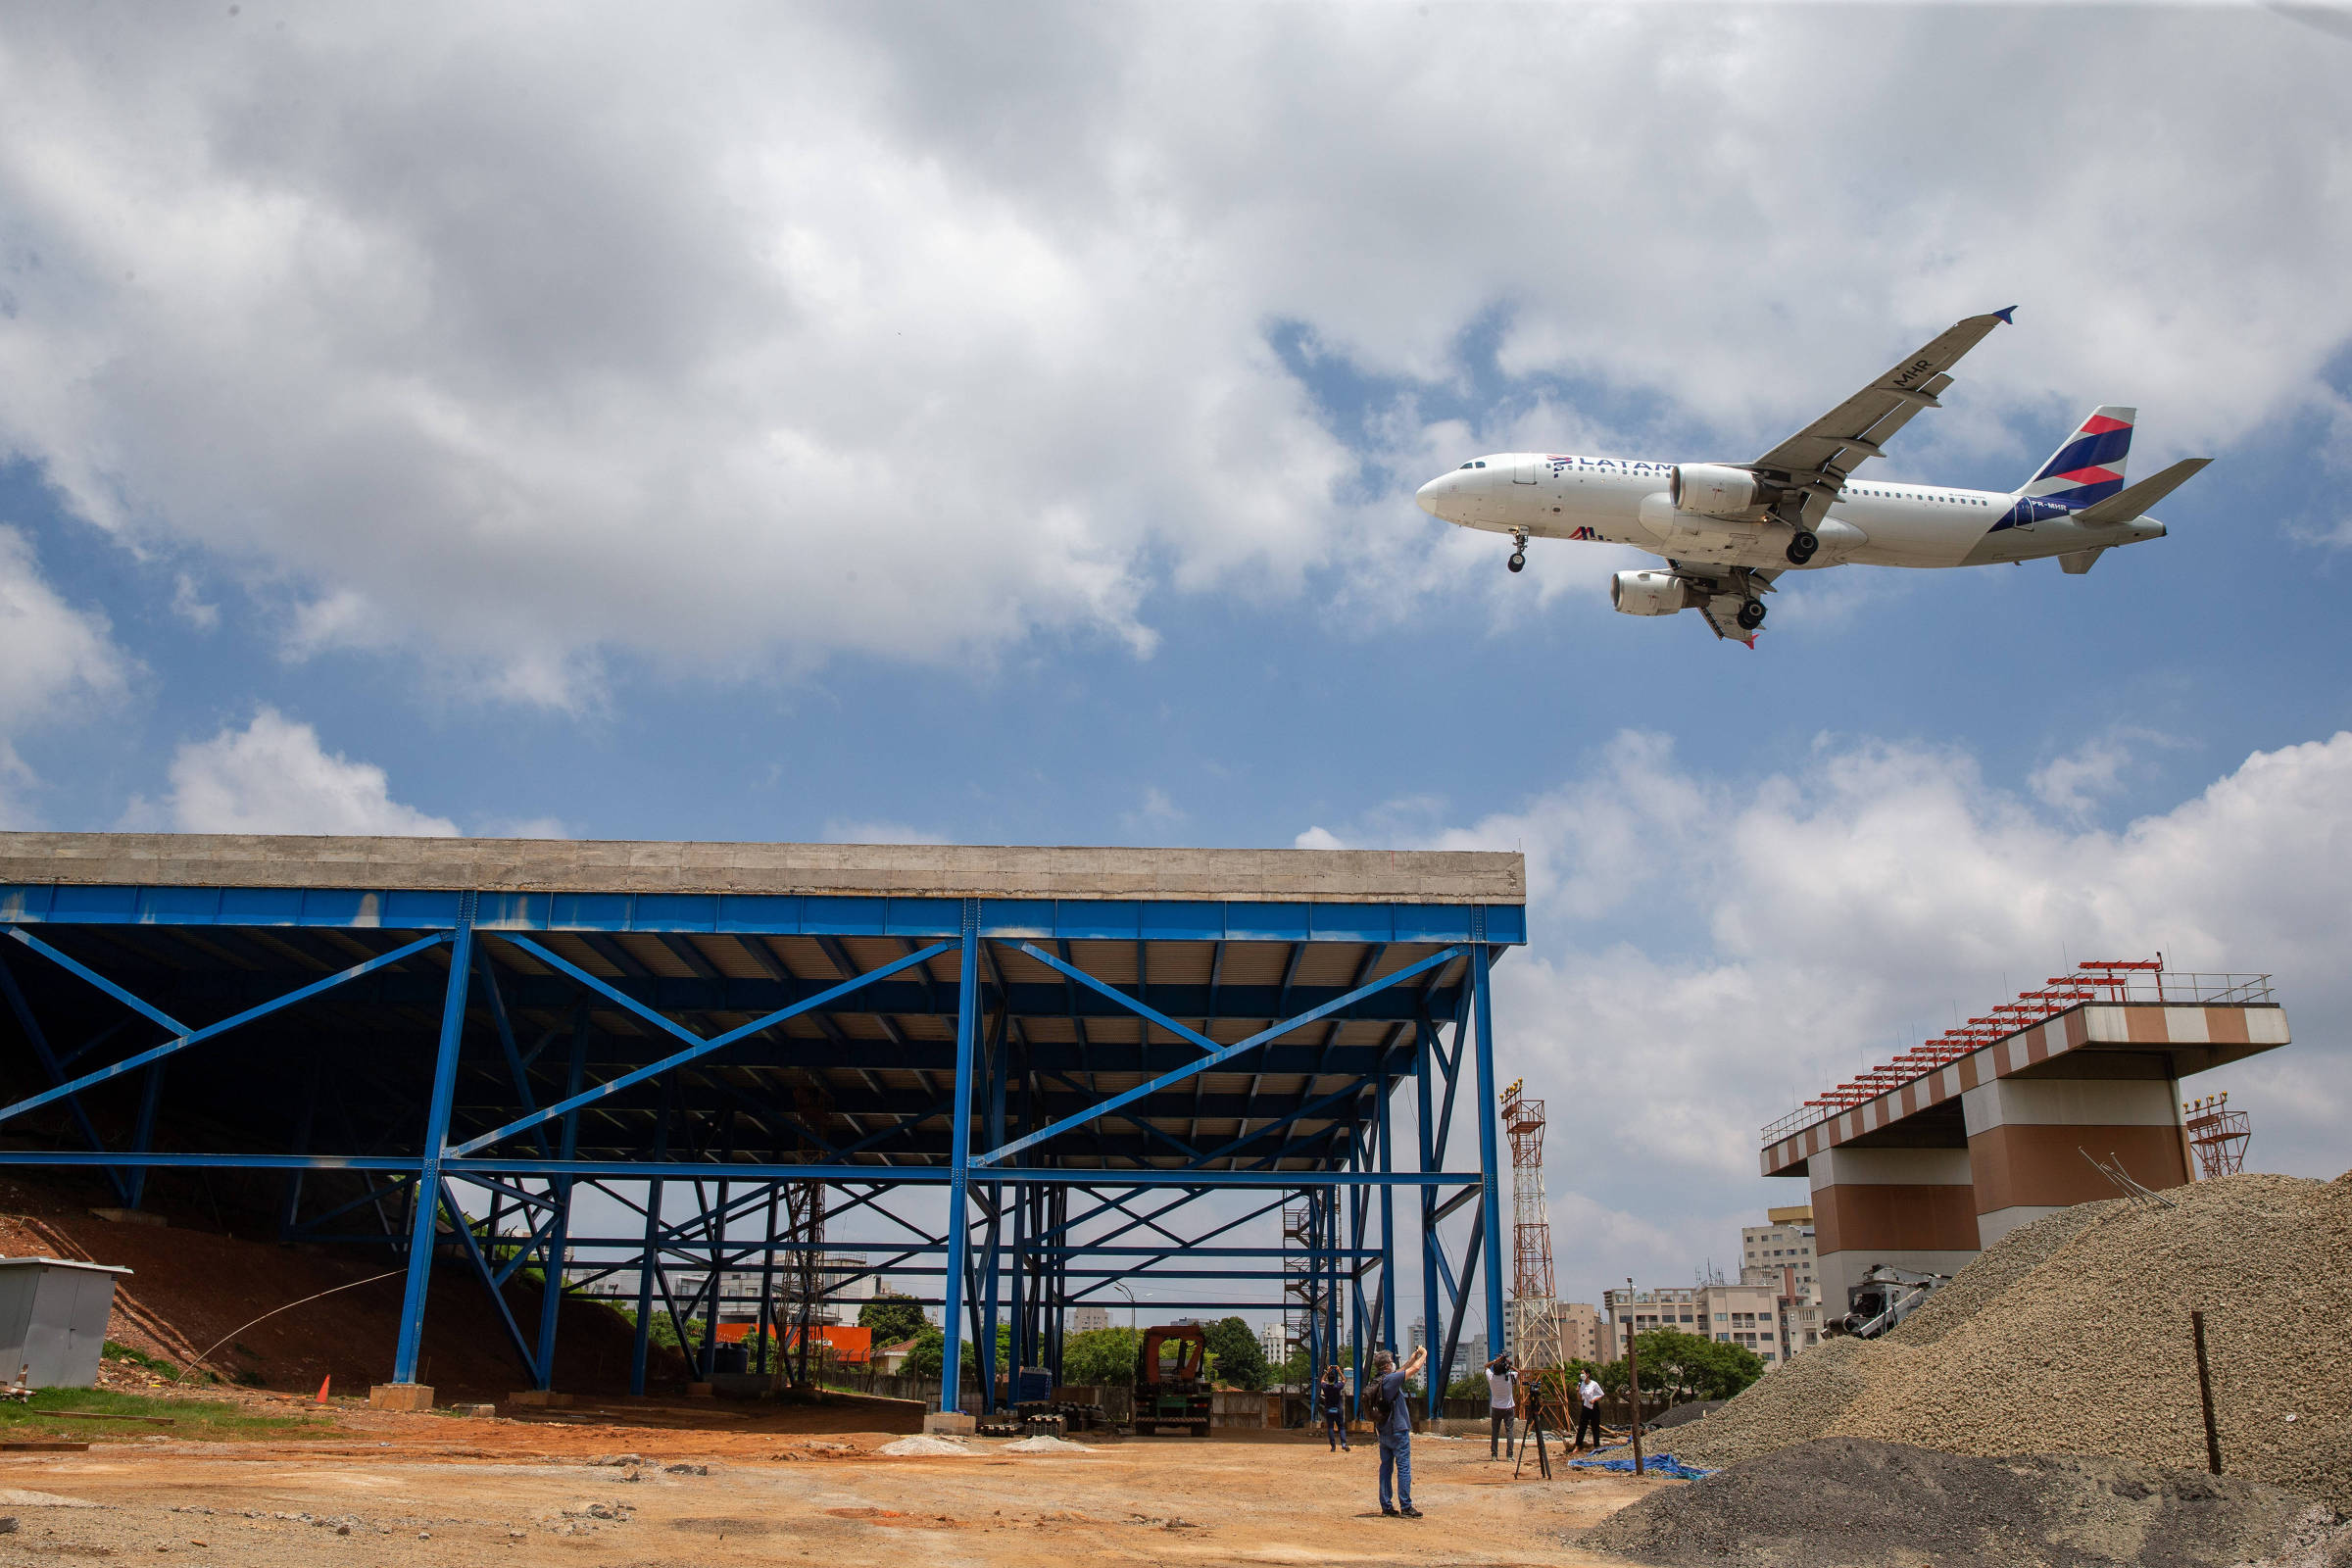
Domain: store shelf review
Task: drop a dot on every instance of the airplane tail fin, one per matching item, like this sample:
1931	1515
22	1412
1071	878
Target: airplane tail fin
2089	467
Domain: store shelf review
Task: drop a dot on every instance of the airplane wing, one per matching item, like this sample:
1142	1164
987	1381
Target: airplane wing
1814	462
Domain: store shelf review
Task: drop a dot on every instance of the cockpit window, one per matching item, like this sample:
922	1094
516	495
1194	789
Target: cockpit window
1469	465
1482	463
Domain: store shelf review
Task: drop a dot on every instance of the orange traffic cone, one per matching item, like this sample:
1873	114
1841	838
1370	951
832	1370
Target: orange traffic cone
323	1383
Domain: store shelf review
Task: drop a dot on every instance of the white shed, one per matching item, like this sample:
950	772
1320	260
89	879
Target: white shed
53	1313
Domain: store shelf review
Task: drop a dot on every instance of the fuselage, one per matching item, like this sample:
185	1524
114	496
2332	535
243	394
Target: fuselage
1871	522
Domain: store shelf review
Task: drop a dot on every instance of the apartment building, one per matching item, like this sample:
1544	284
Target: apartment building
1576	1328
1746	1315
1780	1251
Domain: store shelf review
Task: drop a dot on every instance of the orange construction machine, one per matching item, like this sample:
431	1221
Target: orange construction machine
1171	1388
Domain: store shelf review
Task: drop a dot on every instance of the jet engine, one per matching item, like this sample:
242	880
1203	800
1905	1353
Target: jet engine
1649	593
1713	490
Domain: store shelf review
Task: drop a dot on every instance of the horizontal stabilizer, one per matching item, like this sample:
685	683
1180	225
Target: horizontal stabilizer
2075	562
2133	499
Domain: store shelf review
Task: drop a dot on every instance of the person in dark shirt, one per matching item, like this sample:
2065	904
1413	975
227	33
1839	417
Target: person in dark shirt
1334	1397
1396	1429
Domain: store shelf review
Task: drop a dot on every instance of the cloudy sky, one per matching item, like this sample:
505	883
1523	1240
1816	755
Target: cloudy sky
1000	425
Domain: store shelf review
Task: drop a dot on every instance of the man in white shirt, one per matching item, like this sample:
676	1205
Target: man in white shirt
1502	1404
1588	1410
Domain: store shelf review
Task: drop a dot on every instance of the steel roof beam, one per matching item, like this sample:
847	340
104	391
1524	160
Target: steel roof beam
187	1037
1218	1054
699	1048
544	994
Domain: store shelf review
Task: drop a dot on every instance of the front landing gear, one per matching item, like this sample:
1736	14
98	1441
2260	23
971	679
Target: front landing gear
1518	560
1803	547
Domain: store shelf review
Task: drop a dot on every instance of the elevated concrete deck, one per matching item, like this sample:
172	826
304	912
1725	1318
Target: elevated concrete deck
1931	1171
924	871
2100	1040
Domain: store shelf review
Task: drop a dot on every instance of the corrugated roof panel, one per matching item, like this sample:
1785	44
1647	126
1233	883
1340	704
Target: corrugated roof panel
802	957
1018	968
574	950
1255	963
728	955
1331	963
1180	964
1111	963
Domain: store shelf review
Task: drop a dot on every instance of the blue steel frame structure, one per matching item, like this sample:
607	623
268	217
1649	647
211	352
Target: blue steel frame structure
1110	1064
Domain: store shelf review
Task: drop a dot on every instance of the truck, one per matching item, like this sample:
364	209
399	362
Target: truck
1171	1381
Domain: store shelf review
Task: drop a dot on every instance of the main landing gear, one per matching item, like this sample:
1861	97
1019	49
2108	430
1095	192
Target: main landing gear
1751	614
1801	547
1518	560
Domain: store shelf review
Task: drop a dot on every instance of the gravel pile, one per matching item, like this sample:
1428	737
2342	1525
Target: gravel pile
2091	1352
1848	1502
2078	1344
1047	1442
925	1443
1796	1403
1980	1284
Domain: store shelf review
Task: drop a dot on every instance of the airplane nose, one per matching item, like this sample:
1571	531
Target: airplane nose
1429	493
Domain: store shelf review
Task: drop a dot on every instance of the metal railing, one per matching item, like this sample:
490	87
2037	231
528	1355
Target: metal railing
2175	987
2186	988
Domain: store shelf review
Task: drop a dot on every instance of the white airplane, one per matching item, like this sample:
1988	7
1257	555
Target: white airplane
1727	530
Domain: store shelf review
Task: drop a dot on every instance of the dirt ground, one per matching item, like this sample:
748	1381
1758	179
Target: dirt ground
592	1491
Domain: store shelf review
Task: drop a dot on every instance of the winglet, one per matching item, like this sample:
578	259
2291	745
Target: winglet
2009	315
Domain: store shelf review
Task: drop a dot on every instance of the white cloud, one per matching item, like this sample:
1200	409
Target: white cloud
56	658
528	341
273	776
1157	810
1705	957
2077	781
1317	838
189	604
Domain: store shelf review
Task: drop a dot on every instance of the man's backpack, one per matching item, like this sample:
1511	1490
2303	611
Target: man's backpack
1380	1406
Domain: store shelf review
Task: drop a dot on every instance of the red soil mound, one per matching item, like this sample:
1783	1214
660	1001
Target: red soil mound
191	1288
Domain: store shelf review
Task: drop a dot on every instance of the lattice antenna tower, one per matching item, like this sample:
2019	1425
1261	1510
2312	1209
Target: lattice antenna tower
1534	1299
2218	1135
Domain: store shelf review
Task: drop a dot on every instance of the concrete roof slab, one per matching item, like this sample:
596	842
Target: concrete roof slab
926	870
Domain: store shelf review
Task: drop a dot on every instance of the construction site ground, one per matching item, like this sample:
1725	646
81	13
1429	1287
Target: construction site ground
760	1485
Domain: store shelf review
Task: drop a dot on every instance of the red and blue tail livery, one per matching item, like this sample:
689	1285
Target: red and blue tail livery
2089	467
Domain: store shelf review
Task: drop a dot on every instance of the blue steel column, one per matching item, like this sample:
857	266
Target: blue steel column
144	1137
1359	1326
1491	1194
653	1239
436	1137
987	1356
960	1158
303	1127
1330	1241
551	1297
1389	1283
1423	1062
1313	1313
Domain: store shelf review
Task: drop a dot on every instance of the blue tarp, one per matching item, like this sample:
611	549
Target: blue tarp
1656	1464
